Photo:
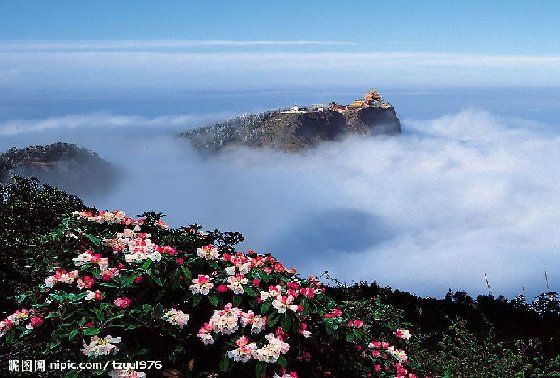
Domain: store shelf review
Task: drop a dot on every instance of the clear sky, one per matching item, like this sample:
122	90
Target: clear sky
179	44
508	27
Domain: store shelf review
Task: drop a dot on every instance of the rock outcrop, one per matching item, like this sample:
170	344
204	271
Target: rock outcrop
299	128
72	168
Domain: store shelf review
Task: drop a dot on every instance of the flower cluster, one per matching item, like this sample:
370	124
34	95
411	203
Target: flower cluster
108	217
92	258
137	246
101	346
272	350
244	351
251	304
201	285
63	276
176	317
17	318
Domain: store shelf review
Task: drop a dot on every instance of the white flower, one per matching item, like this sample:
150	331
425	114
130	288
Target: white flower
398	354
61	276
257	322
272	351
281	304
201	285
18	316
403	334
101	346
206	338
244	351
50	281
225	321
82	258
90	295
176	317
208	252
236	283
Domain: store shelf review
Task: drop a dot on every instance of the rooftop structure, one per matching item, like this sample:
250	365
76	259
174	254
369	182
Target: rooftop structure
370	99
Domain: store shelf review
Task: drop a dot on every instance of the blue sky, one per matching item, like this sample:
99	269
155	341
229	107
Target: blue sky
505	27
189	45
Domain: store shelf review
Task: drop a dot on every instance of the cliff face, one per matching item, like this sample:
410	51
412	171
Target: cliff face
65	165
295	130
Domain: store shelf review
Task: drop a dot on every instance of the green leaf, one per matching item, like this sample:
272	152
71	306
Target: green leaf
95	240
127	281
282	361
236	300
147	264
91	331
157	280
260	369
72	374
249	290
265	307
286	323
214	300
224	364
350	337
146	308
186	272
106	284
72	334
99	314
273	319
196	300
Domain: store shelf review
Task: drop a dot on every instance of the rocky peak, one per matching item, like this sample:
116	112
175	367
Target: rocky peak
298	127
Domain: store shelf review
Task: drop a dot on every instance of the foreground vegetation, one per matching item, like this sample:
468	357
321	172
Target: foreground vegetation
84	285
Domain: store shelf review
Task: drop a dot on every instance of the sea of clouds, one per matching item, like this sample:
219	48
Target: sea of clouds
451	199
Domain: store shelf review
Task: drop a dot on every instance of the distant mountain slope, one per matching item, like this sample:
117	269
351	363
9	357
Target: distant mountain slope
66	165
299	128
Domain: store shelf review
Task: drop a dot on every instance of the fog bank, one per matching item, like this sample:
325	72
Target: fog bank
436	208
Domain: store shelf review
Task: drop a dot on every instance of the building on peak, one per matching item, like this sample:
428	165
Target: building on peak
370	99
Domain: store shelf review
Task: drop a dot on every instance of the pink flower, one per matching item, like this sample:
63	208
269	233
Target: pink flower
201	284
122	302
303	330
167	250
222	288
138	279
86	282
256	282
180	261
356	323
36	321
335	313
403	334
307	292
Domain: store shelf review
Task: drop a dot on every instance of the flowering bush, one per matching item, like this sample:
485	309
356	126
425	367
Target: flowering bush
127	289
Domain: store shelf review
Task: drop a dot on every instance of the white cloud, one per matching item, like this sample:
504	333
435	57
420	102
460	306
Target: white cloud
99	122
454	198
142	45
242	64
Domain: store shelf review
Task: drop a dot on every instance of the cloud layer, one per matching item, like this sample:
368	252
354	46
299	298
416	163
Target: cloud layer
188	65
451	199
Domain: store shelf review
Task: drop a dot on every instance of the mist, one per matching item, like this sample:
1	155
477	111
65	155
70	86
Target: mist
452	198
